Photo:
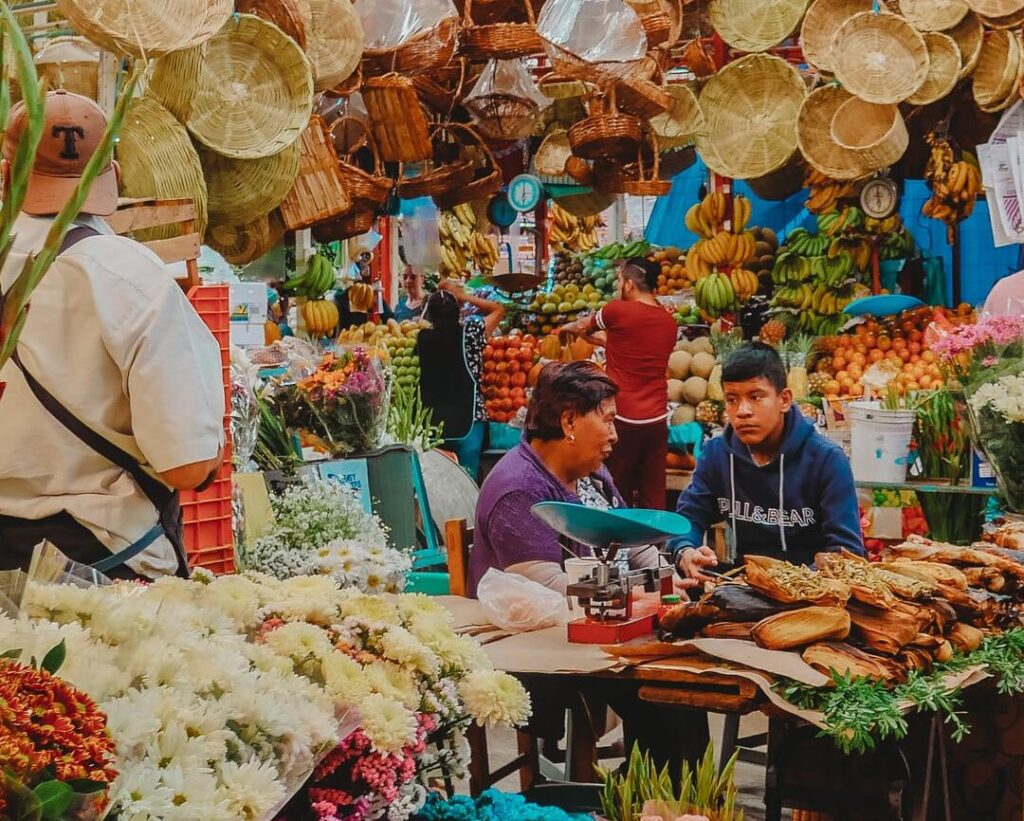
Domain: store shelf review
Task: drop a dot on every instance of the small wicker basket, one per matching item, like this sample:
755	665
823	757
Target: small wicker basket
877	133
500	41
71	63
487	181
503	116
551	156
879	57
285	14
969	35
814	135
756	25
996	8
995	76
642	98
424	52
319	191
242	244
644	185
240	189
607	135
351	225
933	15
397	121
586	204
823	19
677	126
944	64
367	190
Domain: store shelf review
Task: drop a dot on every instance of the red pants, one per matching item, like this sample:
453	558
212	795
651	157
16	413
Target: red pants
637	463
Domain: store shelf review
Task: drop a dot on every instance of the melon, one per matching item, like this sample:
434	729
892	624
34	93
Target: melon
695	390
702	364
684	414
675	390
702	344
679	364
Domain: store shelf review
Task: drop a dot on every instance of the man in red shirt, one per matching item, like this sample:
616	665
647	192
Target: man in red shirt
638	335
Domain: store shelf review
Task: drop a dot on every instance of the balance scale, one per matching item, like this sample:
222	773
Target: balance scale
606	595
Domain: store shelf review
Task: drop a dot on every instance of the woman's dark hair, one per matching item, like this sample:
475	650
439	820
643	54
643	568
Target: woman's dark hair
753	360
442	311
579	387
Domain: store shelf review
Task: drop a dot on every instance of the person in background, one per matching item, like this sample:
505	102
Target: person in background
410	304
638	335
785	490
114	400
451	356
377	311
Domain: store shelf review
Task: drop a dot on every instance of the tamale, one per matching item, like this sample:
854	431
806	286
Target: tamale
926	641
845	659
864	585
732	602
943	653
943	614
965	638
990	578
798	628
791	583
933	572
728	630
923	614
905	587
884	631
921	549
915	658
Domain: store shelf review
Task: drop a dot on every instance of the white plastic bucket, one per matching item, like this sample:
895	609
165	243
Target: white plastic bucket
880	442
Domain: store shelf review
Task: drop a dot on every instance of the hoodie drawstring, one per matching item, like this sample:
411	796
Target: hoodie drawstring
732	488
782	501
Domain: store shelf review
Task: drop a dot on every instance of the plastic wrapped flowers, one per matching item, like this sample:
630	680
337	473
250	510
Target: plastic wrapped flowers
224	695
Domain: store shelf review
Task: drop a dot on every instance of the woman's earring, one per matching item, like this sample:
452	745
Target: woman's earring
572	438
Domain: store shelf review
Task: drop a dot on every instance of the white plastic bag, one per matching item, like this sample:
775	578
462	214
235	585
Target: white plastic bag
389	23
513	602
606	32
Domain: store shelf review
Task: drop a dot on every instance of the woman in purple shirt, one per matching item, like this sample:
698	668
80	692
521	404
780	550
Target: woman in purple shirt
570	431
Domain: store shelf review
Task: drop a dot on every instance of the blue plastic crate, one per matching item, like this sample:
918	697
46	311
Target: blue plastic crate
502	436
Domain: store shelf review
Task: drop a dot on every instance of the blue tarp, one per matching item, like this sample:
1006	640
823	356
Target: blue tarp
982	264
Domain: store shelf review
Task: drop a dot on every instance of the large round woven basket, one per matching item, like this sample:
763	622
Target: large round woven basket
173	80
944	64
822	20
255	91
877	133
334	41
995	76
750	109
71	63
158	160
285	14
549	161
933	15
242	244
677	126
1009	22
996	8
879	57
587	203
969	35
814	135
239	190
756	25
146	28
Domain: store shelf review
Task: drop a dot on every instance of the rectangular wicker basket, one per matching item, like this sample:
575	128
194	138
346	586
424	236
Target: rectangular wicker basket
319	191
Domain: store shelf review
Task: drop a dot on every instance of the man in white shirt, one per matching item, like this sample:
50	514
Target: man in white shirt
115	400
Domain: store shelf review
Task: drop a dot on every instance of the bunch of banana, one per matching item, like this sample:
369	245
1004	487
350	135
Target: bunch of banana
858	247
833	272
696	266
828	302
484	252
455	229
715	294
826	193
731	250
320	317
799	296
572	233
955	184
790	268
317	279
834	223
706	218
804	243
744	284
741	209
889	225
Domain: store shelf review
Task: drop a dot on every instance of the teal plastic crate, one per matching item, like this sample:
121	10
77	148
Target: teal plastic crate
502	436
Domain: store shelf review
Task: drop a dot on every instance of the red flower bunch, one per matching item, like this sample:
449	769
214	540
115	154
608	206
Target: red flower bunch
49	731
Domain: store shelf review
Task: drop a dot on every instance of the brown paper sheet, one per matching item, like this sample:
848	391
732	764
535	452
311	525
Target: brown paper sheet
548	651
466	613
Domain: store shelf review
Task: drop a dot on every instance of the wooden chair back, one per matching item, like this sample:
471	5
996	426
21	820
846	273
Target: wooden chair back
458	539
136	215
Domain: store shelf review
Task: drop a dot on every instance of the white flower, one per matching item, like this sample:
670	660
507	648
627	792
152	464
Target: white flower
494	698
460	652
300	641
402	646
393	681
374	609
194	794
139	792
251	789
236	596
345	679
387	724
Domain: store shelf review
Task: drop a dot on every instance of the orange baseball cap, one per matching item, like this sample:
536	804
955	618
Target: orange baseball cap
72	130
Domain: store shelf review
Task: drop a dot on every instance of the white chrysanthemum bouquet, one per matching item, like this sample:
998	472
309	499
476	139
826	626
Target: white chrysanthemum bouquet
321	529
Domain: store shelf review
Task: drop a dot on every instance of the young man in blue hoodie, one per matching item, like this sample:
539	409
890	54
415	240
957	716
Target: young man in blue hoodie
785	490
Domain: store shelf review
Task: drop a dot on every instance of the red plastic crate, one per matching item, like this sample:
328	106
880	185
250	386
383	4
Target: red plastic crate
209	528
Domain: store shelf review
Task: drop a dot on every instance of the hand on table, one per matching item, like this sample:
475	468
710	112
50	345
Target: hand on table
693	561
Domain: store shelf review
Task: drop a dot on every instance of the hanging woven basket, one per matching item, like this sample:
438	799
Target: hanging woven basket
255	91
814	135
487	178
607	134
750	110
996	8
756	25
334	41
424	52
995	76
677	126
438	177
319	190
969	35
648	184
242	244
159	161
285	14
823	19
877	133
549	161
880	58
146	28
173	80
70	63
240	189
367	190
587	203
943	69
397	121
580	170
351	225
933	15
500	41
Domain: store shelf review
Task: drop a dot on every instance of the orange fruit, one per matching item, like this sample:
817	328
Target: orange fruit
876	355
857	390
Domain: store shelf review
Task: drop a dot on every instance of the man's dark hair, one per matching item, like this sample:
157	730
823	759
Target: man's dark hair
580	387
642	272
753	360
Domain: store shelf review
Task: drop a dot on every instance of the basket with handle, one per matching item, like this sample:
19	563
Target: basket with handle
438	177
318	192
876	133
613	177
551	156
677	126
648	186
642	97
423	52
500	41
397	120
487	181
607	135
354	224
661	21
285	14
879	57
367	190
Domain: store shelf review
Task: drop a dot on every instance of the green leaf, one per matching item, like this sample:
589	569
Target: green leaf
11	654
53	660
83	786
54	798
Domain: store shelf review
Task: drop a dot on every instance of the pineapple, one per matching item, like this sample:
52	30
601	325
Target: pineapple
816	382
773	332
710	412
